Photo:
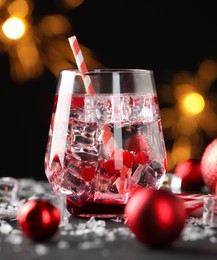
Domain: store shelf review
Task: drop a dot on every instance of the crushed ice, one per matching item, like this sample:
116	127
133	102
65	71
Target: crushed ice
94	233
40	249
195	230
194	233
89	234
5	227
27	187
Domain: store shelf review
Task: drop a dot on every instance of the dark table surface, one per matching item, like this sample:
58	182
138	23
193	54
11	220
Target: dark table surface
105	239
113	241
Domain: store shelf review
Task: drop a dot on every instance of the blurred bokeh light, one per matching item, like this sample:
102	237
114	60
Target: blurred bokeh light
190	116
14	28
194	103
34	46
188	104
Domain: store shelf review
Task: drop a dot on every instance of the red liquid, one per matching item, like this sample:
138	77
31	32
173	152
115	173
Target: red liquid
99	210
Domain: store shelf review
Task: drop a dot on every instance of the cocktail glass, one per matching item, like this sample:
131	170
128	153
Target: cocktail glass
102	146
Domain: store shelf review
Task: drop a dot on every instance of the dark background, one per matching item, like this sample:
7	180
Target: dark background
164	36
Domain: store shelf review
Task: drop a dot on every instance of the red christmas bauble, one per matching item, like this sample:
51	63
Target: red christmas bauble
156	217
209	165
190	173
38	219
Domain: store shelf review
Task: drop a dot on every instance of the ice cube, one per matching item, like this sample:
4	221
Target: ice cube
103	109
89	109
151	178
29	186
146	114
116	109
77	114
208	211
136	106
172	182
9	190
76	189
138	173
125	108
148	176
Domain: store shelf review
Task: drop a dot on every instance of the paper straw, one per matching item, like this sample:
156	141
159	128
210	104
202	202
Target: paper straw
81	64
194	203
107	137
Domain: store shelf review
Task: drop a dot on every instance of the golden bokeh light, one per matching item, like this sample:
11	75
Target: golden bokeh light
34	45
187	125
181	77
73	3
19	8
14	28
197	145
182	90
208	70
2	2
166	93
181	150
168	117
52	25
194	103
208	122
27	63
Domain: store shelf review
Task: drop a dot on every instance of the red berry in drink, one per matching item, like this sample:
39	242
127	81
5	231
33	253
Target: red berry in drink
112	168
142	158
88	173
128	159
138	144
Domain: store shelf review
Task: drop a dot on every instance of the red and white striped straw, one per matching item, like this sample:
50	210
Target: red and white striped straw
107	137
81	64
194	203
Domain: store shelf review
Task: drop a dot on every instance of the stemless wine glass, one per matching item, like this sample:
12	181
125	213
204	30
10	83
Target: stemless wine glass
102	146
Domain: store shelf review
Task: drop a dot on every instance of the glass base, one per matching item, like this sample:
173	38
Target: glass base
98	210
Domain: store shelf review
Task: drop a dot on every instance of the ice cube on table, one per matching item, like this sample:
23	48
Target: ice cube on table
9	190
208	211
172	182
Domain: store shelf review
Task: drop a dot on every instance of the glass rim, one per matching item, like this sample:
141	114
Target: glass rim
96	71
